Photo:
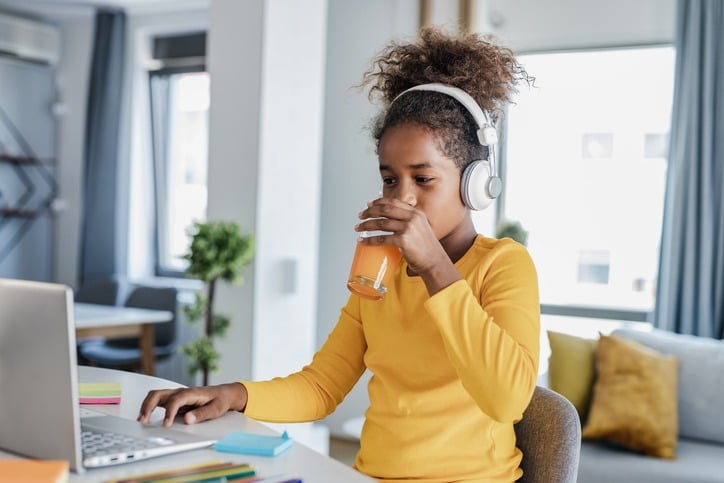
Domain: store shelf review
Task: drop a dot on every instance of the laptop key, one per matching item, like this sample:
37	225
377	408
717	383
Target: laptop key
98	443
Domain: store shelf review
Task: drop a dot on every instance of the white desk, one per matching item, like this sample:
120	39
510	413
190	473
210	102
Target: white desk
298	461
111	321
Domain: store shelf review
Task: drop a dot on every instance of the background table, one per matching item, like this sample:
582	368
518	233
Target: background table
113	321
299	461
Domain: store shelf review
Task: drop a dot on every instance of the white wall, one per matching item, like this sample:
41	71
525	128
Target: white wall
234	123
266	63
289	182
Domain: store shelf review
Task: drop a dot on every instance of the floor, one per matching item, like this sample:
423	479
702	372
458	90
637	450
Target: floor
343	450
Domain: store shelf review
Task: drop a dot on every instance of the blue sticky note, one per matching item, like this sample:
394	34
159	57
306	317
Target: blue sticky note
254	444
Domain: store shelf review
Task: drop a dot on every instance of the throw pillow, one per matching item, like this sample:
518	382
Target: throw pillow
634	398
701	379
571	368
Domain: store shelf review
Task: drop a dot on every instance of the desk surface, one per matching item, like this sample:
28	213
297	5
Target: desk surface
299	461
92	315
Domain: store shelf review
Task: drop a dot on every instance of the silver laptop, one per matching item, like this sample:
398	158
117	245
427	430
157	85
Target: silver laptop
40	415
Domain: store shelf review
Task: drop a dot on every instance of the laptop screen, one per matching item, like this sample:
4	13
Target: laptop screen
39	413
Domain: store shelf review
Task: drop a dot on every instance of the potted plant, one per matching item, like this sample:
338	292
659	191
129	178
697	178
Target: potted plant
512	229
218	251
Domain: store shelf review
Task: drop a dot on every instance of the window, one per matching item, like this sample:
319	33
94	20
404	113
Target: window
179	112
585	173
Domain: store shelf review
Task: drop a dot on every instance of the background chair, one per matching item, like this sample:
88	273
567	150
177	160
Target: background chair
549	435
125	353
104	291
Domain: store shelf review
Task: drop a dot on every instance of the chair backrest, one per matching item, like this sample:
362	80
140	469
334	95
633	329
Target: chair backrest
157	298
549	435
104	291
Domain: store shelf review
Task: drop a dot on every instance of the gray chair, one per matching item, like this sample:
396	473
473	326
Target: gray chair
103	291
125	353
549	435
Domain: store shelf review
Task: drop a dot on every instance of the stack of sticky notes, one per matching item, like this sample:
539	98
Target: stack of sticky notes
208	472
99	392
255	444
27	471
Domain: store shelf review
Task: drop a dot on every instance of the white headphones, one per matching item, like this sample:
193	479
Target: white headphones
480	184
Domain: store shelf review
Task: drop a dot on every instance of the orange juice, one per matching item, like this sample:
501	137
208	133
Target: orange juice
373	268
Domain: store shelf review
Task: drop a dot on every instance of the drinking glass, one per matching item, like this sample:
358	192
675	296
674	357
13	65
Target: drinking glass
373	268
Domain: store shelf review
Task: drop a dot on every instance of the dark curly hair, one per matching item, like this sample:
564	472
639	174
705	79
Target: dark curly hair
486	71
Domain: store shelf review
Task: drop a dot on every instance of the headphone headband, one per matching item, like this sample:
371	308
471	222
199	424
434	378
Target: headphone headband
487	136
480	184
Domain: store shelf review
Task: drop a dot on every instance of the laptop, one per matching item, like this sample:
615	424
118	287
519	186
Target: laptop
40	415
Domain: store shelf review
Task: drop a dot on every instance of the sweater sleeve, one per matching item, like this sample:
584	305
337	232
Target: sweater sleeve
316	390
492	338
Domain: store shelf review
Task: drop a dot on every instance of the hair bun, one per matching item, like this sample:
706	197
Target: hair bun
473	63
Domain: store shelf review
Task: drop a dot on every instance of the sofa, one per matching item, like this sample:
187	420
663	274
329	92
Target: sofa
699	425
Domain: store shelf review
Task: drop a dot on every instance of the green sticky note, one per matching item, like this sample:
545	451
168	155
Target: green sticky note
99	392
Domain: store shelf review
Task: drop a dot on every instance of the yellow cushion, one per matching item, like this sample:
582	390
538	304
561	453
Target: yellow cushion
571	369
634	398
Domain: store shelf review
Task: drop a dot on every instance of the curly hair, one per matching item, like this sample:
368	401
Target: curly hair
486	71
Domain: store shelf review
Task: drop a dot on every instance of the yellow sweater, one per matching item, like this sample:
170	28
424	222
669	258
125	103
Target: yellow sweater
450	373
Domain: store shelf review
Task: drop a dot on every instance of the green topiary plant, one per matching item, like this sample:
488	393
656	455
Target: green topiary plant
218	251
512	229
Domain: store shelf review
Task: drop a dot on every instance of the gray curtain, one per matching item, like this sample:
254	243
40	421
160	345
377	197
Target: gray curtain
690	291
102	241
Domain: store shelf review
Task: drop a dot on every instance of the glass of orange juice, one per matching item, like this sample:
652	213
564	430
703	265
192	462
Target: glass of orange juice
373	268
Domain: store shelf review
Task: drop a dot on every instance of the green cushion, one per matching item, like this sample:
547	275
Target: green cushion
571	369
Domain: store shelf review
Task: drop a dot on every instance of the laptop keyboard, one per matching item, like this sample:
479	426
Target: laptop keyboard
97	443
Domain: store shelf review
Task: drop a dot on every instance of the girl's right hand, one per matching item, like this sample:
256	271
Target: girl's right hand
196	404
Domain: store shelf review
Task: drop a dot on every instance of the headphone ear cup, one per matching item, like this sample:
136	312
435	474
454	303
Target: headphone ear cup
478	188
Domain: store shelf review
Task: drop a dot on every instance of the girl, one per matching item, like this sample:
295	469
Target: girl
453	346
